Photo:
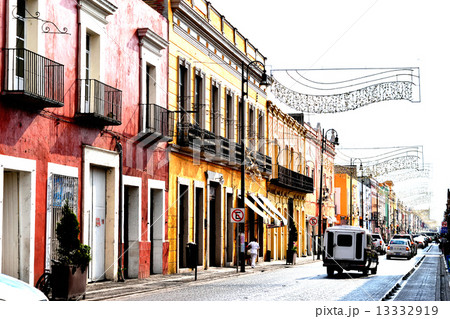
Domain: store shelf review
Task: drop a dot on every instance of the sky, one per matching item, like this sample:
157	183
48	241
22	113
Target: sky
330	34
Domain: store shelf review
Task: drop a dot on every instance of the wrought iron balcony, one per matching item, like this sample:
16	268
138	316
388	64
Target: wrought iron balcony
156	124
219	148
32	81
264	163
98	104
284	177
198	139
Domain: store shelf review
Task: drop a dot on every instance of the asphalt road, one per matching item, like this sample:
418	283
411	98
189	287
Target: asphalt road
310	283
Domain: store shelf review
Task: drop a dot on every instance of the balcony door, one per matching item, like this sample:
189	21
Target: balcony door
87	74
20	46
94	92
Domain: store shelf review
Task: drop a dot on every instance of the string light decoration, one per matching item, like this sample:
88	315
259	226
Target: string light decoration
377	85
391	165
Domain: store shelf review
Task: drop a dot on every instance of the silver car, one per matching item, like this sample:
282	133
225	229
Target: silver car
378	242
399	248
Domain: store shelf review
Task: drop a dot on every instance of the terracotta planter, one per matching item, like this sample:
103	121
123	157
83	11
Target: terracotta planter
68	282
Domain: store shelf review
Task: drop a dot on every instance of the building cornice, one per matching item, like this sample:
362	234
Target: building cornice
196	22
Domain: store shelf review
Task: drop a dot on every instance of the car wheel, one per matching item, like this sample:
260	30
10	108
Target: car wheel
388	257
330	271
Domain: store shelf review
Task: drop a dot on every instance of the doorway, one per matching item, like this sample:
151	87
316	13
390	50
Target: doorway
183	224
215	222
15	232
199	224
98	184
231	240
157	222
131	231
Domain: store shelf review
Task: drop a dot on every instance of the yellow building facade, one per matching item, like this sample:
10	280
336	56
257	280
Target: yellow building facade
288	185
206	55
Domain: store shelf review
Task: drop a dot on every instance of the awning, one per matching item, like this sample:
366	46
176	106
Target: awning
256	209
273	208
256	199
332	219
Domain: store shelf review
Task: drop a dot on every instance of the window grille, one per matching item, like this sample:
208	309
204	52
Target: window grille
63	188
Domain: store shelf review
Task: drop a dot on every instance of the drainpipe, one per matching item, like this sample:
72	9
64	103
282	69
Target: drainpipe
78	58
120	150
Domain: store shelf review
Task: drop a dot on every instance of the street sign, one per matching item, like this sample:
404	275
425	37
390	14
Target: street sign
313	221
237	215
444	230
444	224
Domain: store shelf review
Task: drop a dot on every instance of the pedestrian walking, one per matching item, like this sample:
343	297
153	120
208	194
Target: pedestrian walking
253	247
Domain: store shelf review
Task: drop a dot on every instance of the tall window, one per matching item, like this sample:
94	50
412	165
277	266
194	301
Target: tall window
261	132
291	159
251	127
199	103
229	133
240	120
183	92
215	108
87	71
20	43
150	84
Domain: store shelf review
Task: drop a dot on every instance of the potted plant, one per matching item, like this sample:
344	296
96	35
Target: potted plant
69	272
291	256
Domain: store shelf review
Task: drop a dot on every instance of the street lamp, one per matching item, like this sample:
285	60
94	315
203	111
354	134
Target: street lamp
352	161
335	141
244	92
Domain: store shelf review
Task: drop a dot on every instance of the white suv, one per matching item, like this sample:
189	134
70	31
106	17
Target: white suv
379	244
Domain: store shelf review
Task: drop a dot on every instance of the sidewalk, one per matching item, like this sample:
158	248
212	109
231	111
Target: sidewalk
107	289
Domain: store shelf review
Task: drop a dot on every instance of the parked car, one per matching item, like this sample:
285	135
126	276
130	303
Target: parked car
399	247
12	289
421	241
433	235
379	244
349	248
411	241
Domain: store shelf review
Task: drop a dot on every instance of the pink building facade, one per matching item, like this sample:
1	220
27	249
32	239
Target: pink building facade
84	120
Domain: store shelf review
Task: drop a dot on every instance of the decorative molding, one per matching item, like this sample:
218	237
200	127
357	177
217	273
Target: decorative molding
152	41
47	26
194	21
99	9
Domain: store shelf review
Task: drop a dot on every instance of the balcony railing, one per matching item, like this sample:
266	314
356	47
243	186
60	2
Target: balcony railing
158	120
264	163
33	80
99	104
293	180
219	148
157	125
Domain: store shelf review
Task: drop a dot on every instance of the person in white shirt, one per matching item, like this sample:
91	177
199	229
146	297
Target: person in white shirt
253	246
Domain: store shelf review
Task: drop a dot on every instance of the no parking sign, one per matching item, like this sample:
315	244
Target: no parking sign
237	215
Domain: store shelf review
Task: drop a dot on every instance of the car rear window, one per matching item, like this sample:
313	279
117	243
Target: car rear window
344	240
376	236
398	242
